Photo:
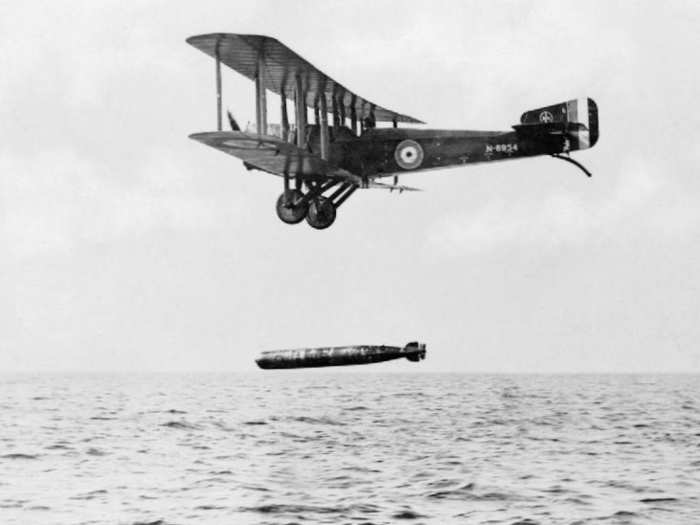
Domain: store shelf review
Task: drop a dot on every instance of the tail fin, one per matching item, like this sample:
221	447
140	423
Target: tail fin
577	118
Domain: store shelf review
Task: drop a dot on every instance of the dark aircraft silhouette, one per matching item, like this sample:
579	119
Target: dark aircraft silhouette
323	163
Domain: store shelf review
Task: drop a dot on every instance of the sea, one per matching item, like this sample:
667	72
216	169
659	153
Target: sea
322	446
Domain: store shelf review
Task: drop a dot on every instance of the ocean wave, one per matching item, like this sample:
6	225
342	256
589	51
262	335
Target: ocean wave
279	508
467	493
90	495
300	509
408	514
19	455
183	425
323	420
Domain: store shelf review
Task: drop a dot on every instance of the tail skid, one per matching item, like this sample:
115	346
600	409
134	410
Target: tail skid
565	127
574	162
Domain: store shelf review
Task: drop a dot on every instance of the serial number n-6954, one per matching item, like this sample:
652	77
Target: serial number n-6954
501	148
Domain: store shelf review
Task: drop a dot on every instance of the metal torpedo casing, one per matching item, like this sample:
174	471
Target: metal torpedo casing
339	356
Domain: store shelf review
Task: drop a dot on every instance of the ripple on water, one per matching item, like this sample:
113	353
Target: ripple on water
19	455
87	496
467	493
182	425
279	508
58	446
408	514
210	507
317	421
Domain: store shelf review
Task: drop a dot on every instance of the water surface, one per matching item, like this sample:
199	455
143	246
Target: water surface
360	448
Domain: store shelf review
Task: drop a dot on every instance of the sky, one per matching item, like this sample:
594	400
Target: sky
127	247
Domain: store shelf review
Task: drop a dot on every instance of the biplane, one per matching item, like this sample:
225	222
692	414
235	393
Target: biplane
325	161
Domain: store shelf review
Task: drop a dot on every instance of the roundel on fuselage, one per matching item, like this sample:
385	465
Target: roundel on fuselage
408	154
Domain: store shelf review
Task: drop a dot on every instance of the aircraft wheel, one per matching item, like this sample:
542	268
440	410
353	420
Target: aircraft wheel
321	213
289	208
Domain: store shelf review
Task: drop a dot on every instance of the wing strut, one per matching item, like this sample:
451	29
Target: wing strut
574	162
260	96
218	88
323	113
353	117
285	118
300	111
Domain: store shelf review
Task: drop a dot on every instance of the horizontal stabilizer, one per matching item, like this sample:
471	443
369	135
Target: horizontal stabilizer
552	128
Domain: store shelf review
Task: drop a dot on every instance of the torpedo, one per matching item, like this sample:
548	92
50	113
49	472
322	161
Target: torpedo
339	355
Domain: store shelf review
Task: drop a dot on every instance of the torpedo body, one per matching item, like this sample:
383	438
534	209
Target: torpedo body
339	356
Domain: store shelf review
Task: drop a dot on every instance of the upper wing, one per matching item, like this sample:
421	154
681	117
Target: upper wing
273	155
282	66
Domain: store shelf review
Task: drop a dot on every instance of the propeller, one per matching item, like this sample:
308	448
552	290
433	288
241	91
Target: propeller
232	122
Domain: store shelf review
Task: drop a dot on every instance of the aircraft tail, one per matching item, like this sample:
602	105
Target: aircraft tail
577	119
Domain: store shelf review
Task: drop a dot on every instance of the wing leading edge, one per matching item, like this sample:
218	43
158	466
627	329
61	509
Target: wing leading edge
282	65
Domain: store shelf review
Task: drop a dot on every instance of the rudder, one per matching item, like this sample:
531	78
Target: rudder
578	117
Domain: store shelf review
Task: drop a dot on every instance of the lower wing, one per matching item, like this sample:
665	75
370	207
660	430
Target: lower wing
274	155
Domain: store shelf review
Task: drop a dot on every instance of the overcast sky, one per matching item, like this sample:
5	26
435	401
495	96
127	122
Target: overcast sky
125	246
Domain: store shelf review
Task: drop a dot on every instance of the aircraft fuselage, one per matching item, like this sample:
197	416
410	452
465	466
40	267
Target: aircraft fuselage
378	152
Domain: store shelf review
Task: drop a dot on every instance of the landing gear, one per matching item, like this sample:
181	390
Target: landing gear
321	213
319	210
292	207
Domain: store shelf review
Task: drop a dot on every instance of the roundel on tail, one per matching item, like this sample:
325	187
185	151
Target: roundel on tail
408	154
546	117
